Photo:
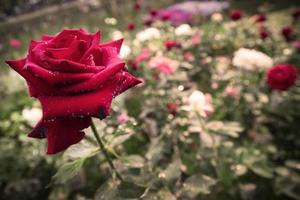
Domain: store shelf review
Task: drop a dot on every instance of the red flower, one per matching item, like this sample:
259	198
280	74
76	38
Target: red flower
296	13
165	16
15	43
287	32
264	34
137	6
260	18
148	22
236	15
169	44
172	107
153	12
75	78
130	26
282	76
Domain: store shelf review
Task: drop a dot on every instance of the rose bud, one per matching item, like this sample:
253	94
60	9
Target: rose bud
15	43
282	76
130	26
288	33
260	18
172	107
236	15
296	13
75	77
136	6
169	44
264	34
153	12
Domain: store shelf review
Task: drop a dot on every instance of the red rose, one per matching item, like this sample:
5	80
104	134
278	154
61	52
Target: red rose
296	13
260	18
236	15
130	26
169	44
173	107
153	12
137	6
75	78
287	32
282	76
264	34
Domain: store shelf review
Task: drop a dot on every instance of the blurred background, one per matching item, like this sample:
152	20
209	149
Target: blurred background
241	142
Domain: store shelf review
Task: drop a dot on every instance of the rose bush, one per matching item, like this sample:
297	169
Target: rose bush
75	78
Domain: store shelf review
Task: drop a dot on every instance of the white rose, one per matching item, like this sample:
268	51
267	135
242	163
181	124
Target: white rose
201	103
148	34
250	59
184	29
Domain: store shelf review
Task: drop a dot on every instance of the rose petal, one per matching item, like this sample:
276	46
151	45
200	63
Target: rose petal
95	44
68	35
63	132
116	44
91	104
65	65
106	56
128	81
96	81
54	78
36	86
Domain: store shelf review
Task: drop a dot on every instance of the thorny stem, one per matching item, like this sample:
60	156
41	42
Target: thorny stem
107	157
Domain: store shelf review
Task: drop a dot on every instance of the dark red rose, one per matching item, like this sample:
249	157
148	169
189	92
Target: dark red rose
236	15
169	44
264	34
172	107
153	12
75	77
282	76
287	32
296	13
130	26
148	22
260	18
137	6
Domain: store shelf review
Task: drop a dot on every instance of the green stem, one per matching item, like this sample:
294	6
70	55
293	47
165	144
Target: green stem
107	157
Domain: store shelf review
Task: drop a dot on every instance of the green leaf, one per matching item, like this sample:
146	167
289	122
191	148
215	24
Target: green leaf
120	139
122	191
130	190
165	194
231	129
172	172
198	184
70	169
67	171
